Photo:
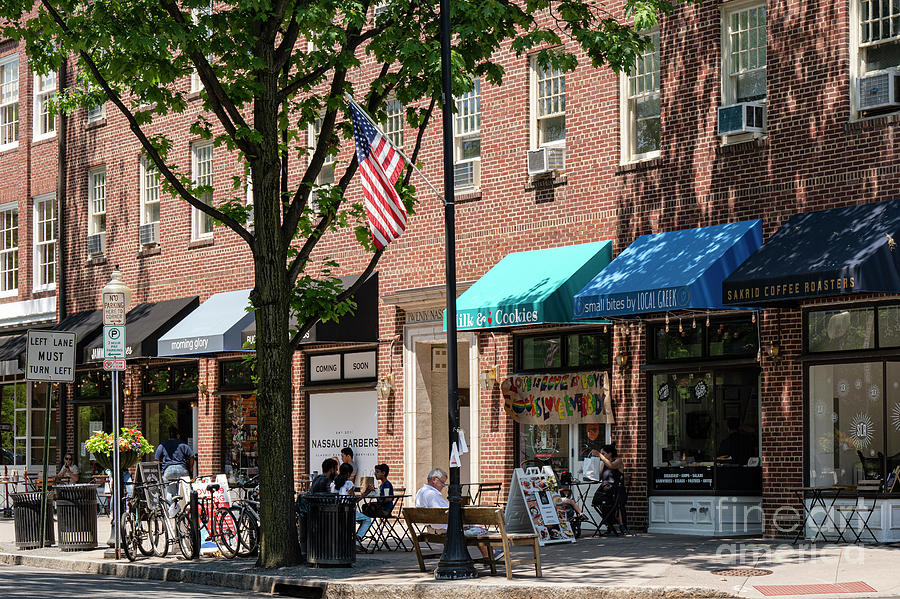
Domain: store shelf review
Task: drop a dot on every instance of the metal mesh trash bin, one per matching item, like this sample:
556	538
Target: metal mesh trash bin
27	518
330	529
76	508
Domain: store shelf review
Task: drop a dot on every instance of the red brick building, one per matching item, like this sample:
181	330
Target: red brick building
799	392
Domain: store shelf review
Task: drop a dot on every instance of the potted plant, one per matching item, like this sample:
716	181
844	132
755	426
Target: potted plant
132	445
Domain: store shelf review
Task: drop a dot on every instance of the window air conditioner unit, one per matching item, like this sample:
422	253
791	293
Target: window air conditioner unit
149	234
96	244
467	175
743	117
546	160
880	90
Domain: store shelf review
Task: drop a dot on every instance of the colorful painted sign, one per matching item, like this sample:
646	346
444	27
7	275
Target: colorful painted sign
574	398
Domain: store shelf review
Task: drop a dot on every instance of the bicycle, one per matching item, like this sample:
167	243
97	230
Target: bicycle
219	522
246	516
144	528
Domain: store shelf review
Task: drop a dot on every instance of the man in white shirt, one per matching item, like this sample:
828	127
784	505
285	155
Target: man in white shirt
430	496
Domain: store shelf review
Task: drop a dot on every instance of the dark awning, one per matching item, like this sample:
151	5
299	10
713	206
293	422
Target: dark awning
11	348
145	324
359	327
828	252
86	325
675	270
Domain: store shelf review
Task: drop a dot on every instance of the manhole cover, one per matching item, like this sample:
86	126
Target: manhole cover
742	572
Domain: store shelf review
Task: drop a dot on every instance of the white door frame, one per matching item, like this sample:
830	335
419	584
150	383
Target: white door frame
435	334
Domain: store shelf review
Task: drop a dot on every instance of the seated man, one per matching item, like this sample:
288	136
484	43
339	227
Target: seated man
385	505
430	496
69	473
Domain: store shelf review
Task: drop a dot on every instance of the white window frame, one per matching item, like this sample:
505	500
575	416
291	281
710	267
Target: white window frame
729	79
150	194
97	201
196	83
41	244
96	113
627	112
857	63
9	254
44	91
312	132
248	201
394	120
199	219
467	127
534	118
9	99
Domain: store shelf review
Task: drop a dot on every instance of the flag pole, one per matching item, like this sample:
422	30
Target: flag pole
396	149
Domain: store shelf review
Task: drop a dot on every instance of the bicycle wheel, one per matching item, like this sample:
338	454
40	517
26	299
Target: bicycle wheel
248	531
129	538
226	532
183	532
159	534
144	534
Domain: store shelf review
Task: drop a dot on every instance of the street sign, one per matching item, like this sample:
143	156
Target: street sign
114	308
113	365
114	342
50	356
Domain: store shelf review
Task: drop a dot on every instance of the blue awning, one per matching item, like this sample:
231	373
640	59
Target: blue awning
215	326
527	288
677	270
827	252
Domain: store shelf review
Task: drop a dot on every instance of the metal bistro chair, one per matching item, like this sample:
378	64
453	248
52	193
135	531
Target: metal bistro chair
865	489
385	528
486	492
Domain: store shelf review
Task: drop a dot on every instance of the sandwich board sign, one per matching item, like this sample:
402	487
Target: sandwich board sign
535	506
50	356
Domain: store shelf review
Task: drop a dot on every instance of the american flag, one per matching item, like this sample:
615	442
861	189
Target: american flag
380	164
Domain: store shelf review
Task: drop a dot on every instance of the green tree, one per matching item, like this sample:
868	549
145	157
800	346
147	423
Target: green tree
262	87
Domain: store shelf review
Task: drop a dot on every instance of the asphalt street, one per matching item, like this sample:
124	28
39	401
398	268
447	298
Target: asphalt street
37	583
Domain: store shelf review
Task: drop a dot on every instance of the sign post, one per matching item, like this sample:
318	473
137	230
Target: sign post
116	299
50	358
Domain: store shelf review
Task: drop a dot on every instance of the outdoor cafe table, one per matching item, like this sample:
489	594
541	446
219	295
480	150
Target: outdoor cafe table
817	497
586	489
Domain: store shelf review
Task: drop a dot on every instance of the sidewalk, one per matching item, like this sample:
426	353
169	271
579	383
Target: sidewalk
638	567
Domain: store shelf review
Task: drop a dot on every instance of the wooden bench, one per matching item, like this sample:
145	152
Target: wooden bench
419	520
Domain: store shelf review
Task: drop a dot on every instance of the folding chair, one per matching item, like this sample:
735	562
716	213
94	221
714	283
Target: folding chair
103	494
385	528
485	491
863	511
612	504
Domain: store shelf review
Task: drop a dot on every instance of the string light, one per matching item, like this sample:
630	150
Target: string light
753	317
694	322
680	327
707	319
667	322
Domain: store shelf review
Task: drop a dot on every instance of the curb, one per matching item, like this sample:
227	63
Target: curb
326	589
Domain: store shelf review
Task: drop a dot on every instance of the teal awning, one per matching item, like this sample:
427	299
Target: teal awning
534	287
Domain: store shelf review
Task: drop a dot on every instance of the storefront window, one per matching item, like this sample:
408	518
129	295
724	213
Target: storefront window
13	430
541	353
587	350
93	384
40	394
236	374
889	326
841	330
706	430
160	416
174	378
733	339
847	434
239	434
678	344
584	350
88	420
685	339
893	414
546	444
590	437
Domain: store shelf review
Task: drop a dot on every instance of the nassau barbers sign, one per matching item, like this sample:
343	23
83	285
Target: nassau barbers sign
573	398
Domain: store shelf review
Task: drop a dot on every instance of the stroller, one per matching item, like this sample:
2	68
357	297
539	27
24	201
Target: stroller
609	501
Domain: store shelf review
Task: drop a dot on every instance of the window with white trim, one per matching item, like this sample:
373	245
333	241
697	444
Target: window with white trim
326	173
874	50
44	117
393	123
96	206
251	213
95	113
45	242
9	250
467	139
641	105
548	106
9	102
202	169
744	53
196	14
149	191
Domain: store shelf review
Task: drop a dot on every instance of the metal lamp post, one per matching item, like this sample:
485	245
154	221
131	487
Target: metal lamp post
455	562
116	297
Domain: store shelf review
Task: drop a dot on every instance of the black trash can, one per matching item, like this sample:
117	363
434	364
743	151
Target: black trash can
330	529
76	508
27	519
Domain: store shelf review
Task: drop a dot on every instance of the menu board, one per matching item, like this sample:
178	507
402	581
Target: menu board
535	506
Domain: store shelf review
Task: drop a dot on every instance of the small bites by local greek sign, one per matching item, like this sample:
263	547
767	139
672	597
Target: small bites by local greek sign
572	398
50	356
359	365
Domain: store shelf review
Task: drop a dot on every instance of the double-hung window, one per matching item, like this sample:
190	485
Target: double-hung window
9	102
548	114
9	250
149	188
640	114
393	123
202	169
196	15
326	173
467	139
875	52
45	242
744	53
44	115
96	211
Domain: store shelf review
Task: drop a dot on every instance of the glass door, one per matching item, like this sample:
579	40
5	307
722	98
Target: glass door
88	420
